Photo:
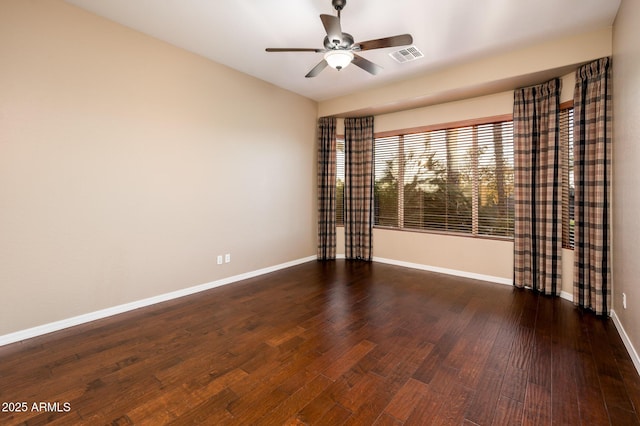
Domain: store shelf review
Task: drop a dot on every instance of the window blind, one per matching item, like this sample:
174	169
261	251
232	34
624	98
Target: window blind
453	180
340	181
568	189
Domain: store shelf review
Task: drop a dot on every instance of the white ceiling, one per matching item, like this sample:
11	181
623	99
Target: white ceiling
236	32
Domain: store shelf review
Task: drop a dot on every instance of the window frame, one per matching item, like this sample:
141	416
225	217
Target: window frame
567	238
444	127
339	217
567	144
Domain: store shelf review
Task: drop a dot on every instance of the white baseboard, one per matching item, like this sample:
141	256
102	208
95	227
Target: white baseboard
566	296
464	274
627	342
114	310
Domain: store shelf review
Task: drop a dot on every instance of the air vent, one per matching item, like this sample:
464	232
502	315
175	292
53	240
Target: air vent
408	54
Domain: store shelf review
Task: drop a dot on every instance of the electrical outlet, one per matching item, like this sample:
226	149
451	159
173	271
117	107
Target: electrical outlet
219	259
227	258
624	301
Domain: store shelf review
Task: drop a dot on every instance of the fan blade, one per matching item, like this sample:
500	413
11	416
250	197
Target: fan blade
332	27
294	49
399	40
366	65
316	70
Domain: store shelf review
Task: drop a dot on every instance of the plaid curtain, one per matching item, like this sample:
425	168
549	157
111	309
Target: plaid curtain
326	188
592	169
358	188
538	188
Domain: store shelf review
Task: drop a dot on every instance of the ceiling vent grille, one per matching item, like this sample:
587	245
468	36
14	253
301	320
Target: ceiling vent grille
407	54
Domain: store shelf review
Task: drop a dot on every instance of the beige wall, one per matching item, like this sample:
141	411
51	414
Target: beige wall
127	165
484	76
626	166
491	258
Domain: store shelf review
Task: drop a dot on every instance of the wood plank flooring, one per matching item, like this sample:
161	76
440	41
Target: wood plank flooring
330	344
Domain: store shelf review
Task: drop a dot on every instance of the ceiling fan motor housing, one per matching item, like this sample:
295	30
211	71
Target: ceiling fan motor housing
345	43
339	4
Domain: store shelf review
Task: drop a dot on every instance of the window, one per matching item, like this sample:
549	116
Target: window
340	181
454	179
566	142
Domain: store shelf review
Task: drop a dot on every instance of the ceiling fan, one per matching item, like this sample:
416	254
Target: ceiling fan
339	47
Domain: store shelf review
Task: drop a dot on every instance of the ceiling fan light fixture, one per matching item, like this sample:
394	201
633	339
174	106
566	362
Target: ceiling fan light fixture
338	59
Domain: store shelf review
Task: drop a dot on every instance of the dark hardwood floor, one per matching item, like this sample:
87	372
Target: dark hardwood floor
329	344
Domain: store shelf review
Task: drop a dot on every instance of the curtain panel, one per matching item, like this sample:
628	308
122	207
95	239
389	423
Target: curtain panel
538	161
592	169
358	188
326	188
